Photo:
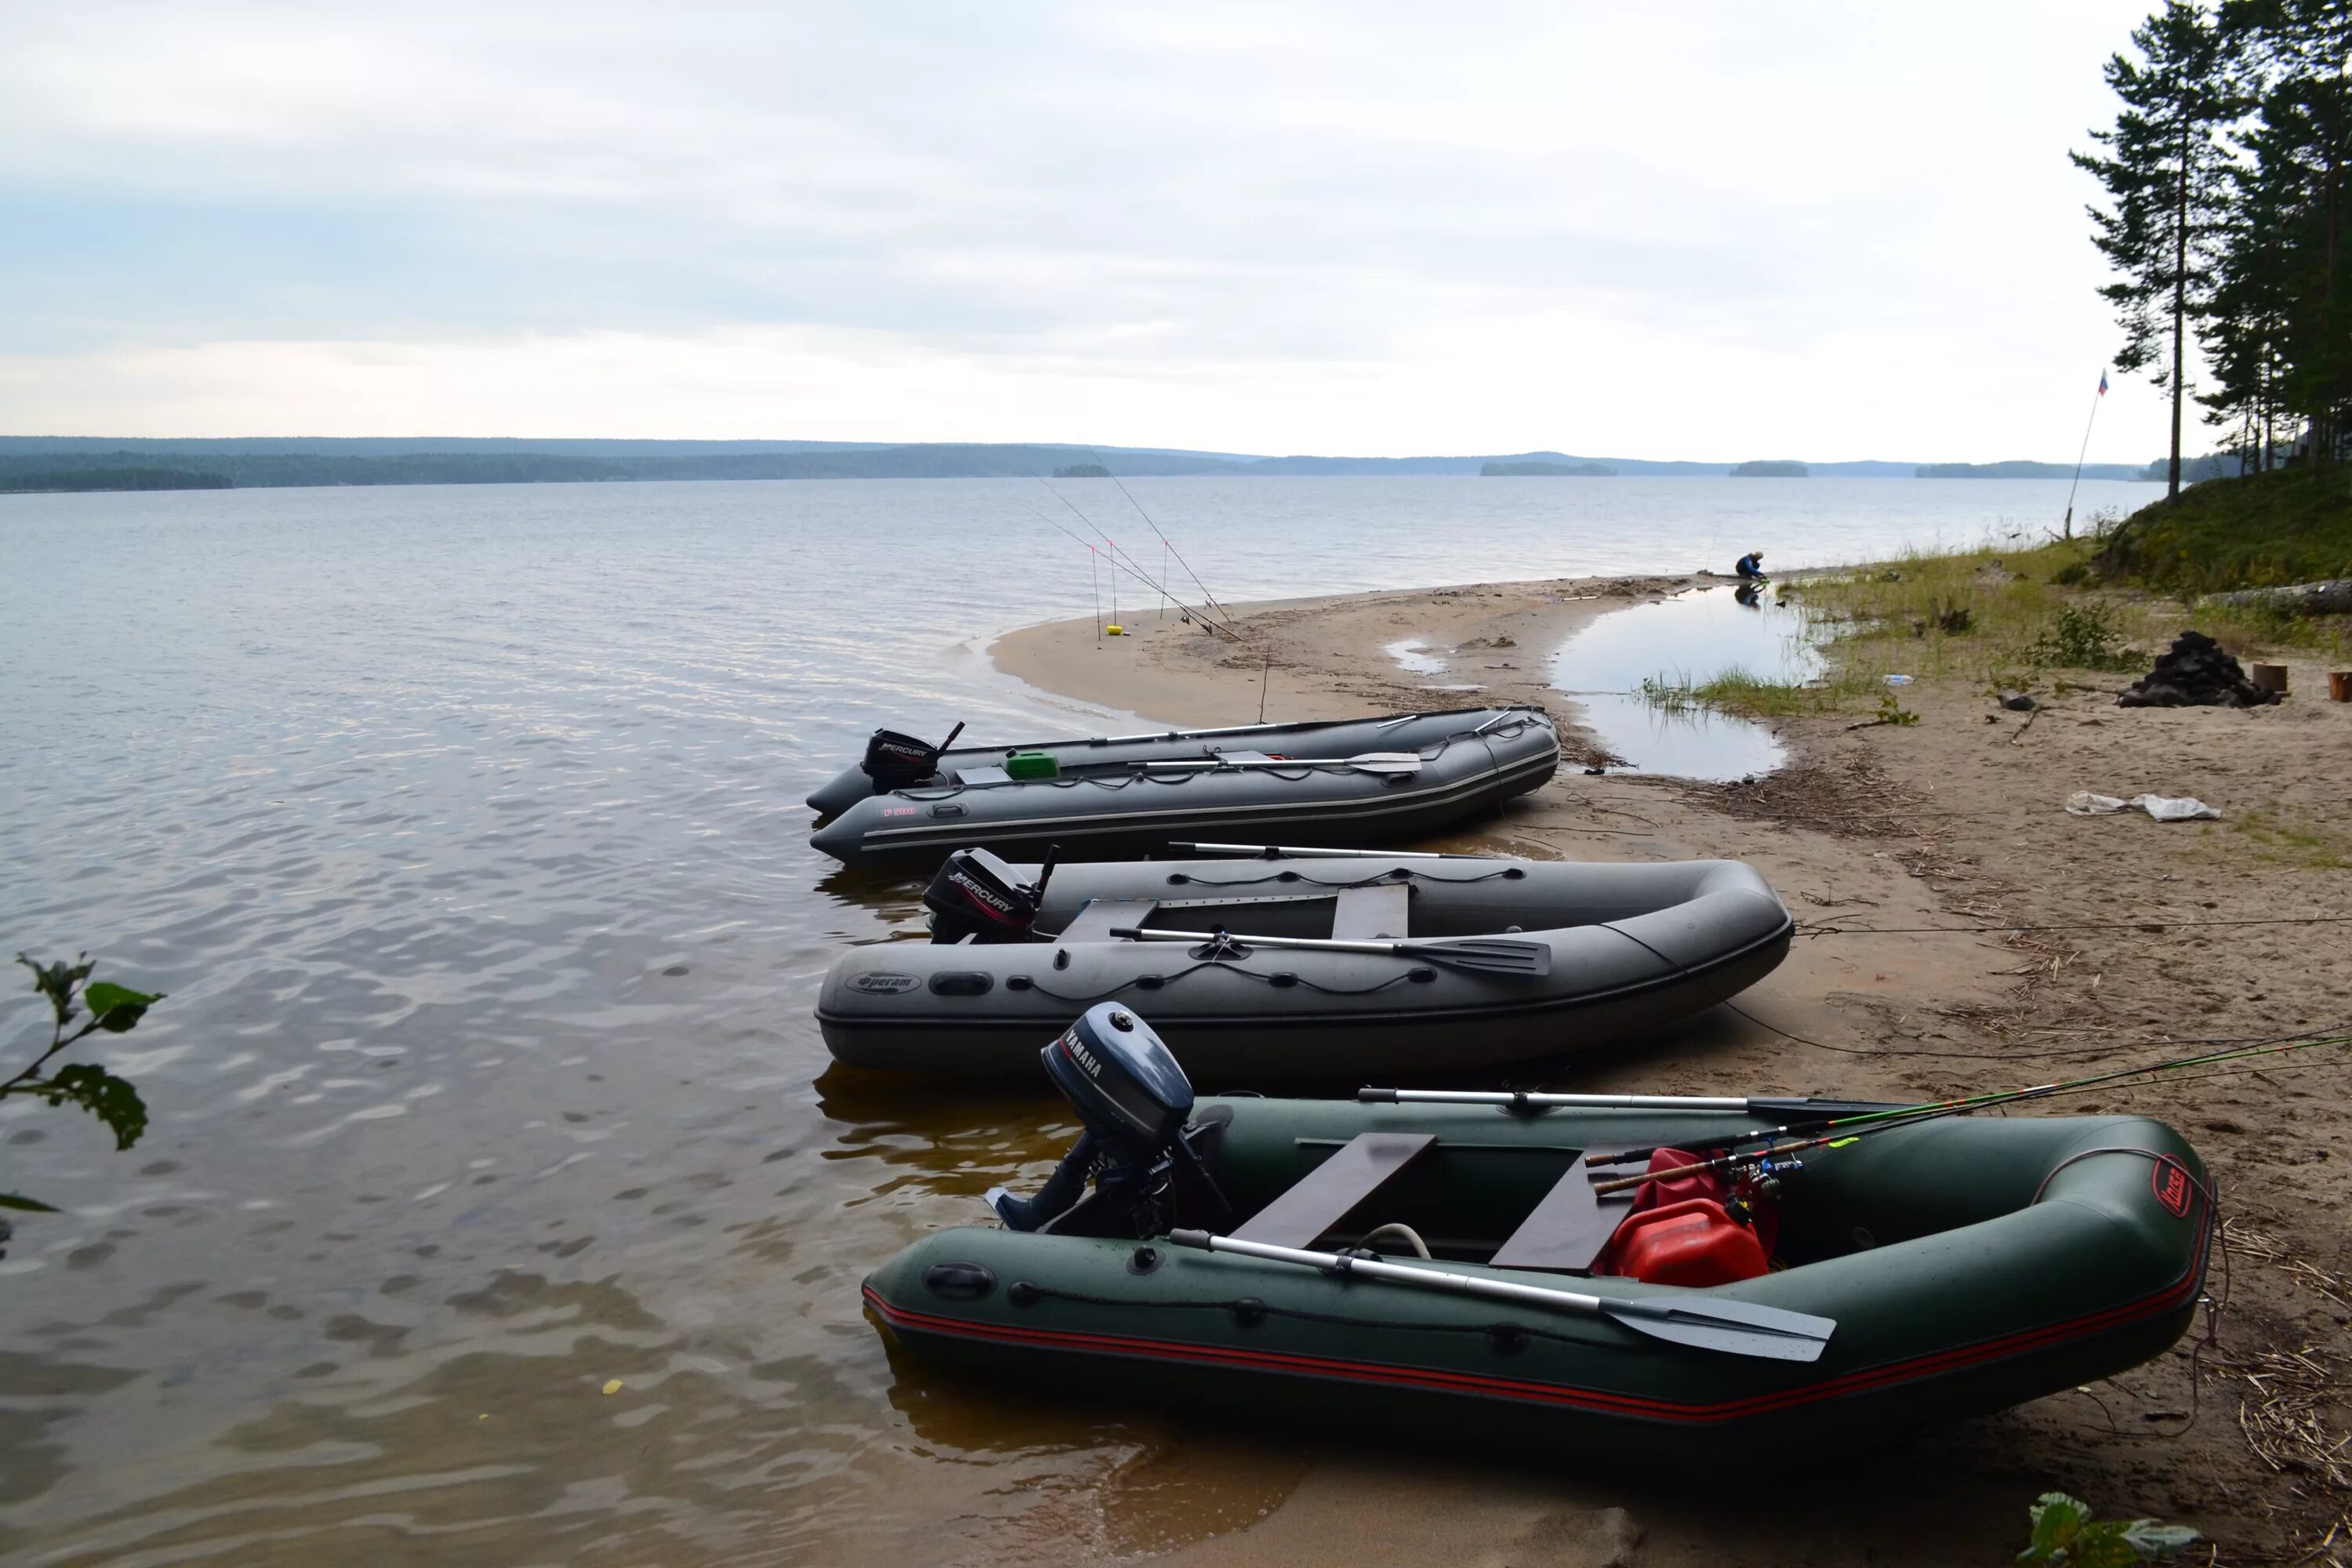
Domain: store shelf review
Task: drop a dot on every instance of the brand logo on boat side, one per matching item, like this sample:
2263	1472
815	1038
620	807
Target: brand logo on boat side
883	984
2173	1187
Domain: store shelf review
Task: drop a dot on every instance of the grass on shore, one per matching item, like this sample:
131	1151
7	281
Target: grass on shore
2260	532
2000	615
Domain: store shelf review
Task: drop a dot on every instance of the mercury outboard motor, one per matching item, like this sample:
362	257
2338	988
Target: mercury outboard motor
975	895
894	760
1133	1101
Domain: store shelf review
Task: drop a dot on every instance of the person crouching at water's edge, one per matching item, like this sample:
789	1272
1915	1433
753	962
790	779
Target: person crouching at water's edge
1751	565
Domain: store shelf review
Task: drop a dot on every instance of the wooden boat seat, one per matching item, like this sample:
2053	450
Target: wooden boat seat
1566	1231
1355	1171
1365	914
1096	920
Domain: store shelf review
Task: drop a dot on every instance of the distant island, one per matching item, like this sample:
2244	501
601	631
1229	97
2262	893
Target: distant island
125	463
2220	466
1772	469
1546	471
2016	469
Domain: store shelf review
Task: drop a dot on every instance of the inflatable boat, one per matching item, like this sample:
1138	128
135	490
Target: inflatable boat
1463	1272
1272	965
1367	780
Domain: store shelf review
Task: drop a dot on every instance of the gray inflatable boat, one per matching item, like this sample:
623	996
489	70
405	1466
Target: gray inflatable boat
1305	963
1364	781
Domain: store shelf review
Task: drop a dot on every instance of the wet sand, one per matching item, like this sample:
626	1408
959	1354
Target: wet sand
1956	821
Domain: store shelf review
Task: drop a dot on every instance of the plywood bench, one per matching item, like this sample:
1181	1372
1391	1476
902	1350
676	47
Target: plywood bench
1326	1195
1566	1231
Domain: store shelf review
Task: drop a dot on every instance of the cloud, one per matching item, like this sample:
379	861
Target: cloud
1726	231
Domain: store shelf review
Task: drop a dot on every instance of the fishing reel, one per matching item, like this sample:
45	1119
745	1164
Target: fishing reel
894	760
1149	1168
976	897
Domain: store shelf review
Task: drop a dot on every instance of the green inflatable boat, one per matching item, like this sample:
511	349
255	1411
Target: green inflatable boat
1464	1270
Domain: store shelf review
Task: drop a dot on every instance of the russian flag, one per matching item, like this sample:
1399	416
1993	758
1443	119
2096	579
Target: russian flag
2103	383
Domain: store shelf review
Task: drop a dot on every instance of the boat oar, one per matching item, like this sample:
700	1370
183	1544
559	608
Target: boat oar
1368	762
1477	954
1733	1328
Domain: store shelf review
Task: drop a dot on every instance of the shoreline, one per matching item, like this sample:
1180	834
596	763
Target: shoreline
1950	834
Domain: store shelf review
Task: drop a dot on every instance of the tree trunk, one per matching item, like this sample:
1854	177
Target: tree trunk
2179	305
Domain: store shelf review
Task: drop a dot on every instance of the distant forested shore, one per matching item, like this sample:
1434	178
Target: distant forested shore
102	463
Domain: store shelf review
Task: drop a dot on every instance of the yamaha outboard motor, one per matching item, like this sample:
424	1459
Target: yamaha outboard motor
1133	1101
975	895
894	760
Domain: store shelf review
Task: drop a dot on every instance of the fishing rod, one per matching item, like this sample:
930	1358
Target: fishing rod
1167	545
1129	565
1836	1131
1116	565
1134	568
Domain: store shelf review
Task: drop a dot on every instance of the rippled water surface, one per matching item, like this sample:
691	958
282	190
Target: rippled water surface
462	827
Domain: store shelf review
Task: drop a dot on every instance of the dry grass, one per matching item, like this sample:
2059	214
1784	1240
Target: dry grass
2294	1394
1996	614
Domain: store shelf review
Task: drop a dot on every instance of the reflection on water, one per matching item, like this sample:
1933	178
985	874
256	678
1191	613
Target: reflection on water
1690	638
463	826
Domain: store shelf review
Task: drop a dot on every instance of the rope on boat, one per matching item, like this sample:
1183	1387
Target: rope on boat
1227	964
1387	879
1251	1308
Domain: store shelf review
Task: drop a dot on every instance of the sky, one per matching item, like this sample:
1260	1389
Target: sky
1714	231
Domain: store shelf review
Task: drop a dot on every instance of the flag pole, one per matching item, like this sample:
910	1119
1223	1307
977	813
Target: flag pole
2096	398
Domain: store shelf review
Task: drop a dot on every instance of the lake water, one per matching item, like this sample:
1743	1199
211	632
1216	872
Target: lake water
462	827
1687	639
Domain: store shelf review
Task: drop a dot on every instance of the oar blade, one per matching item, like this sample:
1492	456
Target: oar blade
1732	1328
1483	955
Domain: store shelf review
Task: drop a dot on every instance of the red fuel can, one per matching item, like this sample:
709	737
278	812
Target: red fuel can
1692	1243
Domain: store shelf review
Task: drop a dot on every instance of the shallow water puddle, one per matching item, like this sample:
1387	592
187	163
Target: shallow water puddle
1692	638
1412	654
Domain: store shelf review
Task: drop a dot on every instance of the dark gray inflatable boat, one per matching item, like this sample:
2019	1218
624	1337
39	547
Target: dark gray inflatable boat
1307	965
1363	782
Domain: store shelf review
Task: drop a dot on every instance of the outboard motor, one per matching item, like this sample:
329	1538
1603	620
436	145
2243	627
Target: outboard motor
1133	1101
894	760
975	895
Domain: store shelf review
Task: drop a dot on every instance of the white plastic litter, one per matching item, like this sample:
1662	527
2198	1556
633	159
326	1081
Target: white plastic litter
2163	807
1898	681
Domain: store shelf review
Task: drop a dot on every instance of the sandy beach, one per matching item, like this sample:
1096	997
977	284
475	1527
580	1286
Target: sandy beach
1960	933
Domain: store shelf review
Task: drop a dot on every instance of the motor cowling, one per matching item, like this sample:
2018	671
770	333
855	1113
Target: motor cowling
1121	1077
894	760
1133	1101
977	895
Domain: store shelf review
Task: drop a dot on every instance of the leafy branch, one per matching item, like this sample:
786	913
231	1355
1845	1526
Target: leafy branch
2066	1533
101	1008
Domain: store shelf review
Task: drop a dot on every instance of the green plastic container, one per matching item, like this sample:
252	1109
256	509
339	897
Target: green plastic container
1032	765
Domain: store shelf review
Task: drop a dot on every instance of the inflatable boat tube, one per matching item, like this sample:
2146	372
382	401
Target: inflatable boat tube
1967	1265
1629	947
1415	774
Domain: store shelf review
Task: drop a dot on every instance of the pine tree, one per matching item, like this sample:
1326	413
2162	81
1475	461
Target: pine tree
2164	167
2289	233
